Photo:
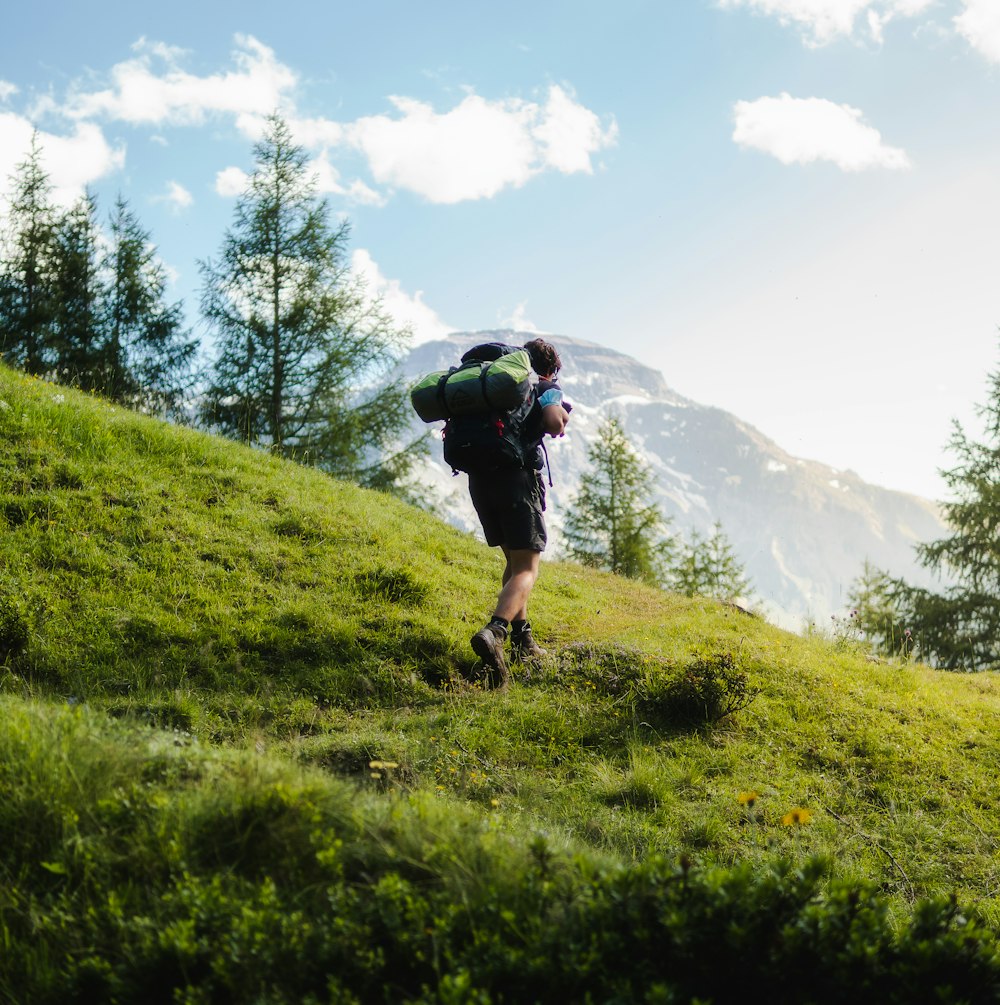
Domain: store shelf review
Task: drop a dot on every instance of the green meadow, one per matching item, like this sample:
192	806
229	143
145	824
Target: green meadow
242	760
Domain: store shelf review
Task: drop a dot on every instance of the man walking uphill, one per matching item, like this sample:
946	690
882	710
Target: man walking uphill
510	502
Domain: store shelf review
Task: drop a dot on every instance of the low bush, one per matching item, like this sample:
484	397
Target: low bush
14	632
708	690
700	692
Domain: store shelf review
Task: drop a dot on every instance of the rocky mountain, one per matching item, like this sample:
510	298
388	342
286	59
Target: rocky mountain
801	528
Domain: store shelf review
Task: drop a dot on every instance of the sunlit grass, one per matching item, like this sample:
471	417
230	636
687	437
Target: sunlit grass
249	607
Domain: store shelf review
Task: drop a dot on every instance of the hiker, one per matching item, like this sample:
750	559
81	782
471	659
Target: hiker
510	502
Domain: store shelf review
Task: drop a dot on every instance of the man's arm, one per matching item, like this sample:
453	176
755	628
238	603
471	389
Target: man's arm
554	419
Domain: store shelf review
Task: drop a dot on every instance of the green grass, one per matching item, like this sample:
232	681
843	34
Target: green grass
182	619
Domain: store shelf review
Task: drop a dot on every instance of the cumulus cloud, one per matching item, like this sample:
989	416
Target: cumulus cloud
569	133
472	151
979	24
153	89
328	182
72	162
409	311
231	181
822	21
519	321
803	130
176	196
479	147
315	133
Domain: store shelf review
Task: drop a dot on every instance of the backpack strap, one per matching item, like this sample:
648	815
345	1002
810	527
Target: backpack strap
548	466
439	390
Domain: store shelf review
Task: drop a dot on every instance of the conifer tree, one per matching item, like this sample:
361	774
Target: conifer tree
303	355
77	336
878	610
709	567
612	524
959	627
86	308
148	356
27	299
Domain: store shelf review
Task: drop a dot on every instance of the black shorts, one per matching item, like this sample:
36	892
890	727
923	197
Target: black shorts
510	503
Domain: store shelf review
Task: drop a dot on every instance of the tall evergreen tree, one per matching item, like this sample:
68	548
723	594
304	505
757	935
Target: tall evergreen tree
149	358
304	356
878	611
709	567
77	336
27	298
86	308
612	524
958	628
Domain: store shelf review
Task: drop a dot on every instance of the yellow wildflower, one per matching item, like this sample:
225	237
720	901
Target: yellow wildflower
748	798
796	817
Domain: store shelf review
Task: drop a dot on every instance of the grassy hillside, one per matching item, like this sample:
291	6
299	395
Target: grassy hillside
203	650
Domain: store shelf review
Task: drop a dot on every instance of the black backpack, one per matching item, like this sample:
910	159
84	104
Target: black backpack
494	439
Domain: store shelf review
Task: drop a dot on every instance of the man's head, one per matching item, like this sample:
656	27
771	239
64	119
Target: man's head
544	358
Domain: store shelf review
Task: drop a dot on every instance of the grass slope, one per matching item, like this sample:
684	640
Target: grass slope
173	580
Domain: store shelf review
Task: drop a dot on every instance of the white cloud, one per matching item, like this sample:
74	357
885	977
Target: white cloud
168	53
979	24
519	321
569	133
231	181
177	196
328	182
72	161
824	21
472	151
143	93
316	133
409	311
7	89
479	147
803	130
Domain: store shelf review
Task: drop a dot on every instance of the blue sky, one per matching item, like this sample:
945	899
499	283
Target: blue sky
790	207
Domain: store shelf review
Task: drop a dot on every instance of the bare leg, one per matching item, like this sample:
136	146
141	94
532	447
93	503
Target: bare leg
519	576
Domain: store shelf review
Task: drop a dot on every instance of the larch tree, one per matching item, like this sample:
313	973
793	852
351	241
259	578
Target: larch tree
77	335
149	357
957	628
708	566
304	356
612	524
86	306
27	296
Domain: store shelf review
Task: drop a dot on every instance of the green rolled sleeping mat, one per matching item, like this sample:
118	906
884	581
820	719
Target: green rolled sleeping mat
475	386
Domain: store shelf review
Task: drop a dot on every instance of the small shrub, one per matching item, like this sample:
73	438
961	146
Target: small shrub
699	693
708	690
14	631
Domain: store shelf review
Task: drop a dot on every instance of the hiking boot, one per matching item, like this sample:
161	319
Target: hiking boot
487	644
523	646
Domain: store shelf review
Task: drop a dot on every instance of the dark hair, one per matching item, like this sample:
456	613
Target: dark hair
544	358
